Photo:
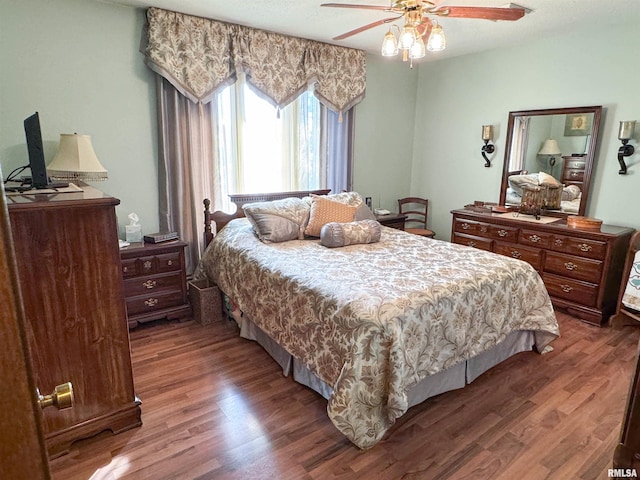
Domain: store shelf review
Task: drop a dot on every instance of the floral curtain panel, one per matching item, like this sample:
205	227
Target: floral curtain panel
199	56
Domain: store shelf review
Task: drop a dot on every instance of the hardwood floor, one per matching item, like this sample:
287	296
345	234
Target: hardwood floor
210	414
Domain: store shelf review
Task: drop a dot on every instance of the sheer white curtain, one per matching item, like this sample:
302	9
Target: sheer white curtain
520	142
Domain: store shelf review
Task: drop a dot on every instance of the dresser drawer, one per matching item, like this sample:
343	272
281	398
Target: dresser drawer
573	267
581	247
582	293
153	302
465	226
535	238
129	267
476	242
500	232
533	256
152	284
573	175
578	164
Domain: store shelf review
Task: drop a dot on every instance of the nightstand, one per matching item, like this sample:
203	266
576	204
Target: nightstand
155	283
393	220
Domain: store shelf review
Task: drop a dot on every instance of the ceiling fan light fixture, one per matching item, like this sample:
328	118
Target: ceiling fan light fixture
407	37
437	42
418	49
389	45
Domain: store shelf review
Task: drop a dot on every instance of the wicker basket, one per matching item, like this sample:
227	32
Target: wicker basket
206	301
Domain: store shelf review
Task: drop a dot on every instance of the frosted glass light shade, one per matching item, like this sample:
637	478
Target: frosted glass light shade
407	37
417	49
436	42
550	147
76	160
389	45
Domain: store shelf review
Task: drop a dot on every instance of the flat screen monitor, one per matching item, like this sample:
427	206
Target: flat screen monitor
38	168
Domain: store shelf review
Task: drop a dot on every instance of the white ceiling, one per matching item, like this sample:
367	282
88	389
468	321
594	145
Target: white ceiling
307	19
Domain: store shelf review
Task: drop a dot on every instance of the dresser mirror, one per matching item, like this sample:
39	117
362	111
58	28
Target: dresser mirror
552	148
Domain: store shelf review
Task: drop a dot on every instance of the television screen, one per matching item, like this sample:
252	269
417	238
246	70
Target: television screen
36	152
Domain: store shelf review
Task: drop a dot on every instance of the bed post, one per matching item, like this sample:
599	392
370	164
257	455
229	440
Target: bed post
208	234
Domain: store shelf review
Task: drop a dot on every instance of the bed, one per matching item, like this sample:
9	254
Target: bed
377	327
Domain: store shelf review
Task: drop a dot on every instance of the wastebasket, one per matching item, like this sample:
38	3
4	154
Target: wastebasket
206	301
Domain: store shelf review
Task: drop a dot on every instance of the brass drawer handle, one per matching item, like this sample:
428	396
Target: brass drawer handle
515	254
149	284
534	238
465	226
151	302
574	174
570	266
170	262
502	233
584	247
471	243
125	269
557	242
147	265
483	229
566	288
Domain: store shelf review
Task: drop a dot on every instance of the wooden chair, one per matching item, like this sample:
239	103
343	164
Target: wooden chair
416	210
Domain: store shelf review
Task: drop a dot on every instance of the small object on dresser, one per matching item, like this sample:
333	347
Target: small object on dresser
160	237
584	222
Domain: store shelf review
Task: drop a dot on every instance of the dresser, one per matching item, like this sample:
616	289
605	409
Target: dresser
573	170
66	248
155	281
581	268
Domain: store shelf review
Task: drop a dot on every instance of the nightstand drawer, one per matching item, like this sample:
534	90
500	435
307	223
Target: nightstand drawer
152	284
168	262
129	267
153	302
573	267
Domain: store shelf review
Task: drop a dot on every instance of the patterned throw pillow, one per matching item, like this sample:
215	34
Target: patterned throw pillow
341	234
324	211
278	220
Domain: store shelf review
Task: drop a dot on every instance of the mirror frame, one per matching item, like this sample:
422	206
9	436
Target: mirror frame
589	158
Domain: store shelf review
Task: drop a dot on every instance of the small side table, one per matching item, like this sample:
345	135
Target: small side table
155	282
393	220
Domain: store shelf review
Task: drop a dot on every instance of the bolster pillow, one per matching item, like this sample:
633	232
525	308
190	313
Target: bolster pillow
336	234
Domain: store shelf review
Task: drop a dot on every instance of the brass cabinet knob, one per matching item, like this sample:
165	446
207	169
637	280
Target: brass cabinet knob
61	398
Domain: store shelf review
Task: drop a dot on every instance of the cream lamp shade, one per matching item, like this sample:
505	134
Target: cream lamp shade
550	147
76	160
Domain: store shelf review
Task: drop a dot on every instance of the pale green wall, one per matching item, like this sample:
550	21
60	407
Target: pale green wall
384	133
457	96
77	64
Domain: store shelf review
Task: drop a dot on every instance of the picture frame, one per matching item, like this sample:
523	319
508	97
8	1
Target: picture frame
577	124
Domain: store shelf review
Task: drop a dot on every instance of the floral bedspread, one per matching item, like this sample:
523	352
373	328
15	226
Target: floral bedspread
371	320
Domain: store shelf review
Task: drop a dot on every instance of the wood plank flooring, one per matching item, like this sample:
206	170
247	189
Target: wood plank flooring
215	406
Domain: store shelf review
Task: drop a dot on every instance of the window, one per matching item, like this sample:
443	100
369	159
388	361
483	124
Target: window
259	148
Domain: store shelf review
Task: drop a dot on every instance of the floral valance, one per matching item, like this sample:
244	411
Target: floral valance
199	56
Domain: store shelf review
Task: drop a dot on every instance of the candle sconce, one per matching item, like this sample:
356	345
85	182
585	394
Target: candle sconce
487	136
625	134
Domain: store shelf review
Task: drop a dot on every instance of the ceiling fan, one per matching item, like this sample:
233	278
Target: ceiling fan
419	23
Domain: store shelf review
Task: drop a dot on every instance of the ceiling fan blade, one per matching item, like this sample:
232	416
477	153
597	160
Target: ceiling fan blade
424	28
366	27
486	13
352	5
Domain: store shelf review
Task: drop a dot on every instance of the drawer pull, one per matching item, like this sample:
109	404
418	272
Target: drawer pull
557	242
515	254
125	269
575	174
534	238
471	243
584	247
570	266
147	265
465	226
151	302
483	229
149	284
566	288
170	262
502	233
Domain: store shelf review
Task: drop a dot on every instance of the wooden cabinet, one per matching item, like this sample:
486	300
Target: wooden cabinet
580	268
393	220
155	281
67	258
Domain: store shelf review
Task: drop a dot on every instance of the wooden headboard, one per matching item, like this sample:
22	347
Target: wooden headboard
220	219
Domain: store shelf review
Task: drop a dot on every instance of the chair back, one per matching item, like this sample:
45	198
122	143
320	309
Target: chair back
416	210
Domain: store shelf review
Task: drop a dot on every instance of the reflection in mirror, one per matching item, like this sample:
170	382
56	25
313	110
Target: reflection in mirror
551	149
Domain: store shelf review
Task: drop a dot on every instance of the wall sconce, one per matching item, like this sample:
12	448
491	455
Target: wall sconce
487	136
625	134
